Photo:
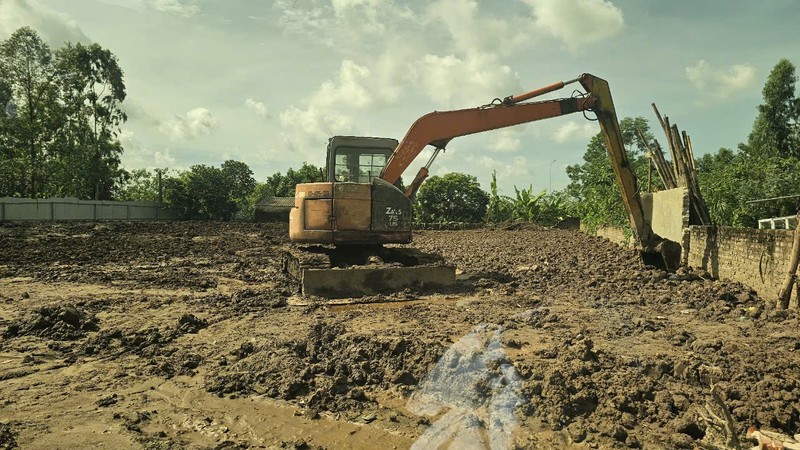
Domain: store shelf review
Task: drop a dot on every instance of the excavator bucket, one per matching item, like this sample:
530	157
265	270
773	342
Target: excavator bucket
336	273
665	254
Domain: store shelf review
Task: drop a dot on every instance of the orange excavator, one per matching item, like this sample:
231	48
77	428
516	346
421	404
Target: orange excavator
339	227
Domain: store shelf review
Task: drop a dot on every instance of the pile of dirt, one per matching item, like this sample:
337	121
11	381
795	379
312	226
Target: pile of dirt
189	323
7	437
331	369
155	344
249	300
57	322
186	255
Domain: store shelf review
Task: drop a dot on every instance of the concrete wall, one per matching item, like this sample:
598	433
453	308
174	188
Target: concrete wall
668	212
757	258
615	235
13	209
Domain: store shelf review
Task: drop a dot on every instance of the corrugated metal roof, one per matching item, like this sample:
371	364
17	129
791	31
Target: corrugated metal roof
283	202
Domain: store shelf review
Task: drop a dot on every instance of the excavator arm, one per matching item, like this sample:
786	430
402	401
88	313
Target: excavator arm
438	128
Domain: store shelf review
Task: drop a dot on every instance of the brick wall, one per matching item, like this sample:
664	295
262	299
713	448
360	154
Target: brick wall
757	258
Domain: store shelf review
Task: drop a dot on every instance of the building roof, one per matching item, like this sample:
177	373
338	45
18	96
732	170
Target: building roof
282	202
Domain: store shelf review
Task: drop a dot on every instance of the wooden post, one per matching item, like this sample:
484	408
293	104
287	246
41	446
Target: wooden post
683	168
657	158
668	168
791	273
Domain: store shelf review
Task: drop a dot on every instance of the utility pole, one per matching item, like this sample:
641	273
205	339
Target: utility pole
160	186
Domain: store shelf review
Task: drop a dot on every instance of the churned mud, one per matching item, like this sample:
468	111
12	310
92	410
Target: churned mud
188	335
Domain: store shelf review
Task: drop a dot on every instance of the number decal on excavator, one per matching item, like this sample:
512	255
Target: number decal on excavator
394	215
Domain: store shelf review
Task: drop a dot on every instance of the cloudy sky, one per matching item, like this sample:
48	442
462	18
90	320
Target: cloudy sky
268	82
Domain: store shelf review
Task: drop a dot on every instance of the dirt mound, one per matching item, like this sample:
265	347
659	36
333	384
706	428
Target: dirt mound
252	300
155	344
57	322
329	369
189	323
7	437
163	254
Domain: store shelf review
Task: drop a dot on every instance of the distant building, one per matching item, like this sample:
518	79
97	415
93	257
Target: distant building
273	209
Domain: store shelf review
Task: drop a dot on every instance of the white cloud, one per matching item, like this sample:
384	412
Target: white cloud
341	6
308	19
721	82
136	156
342	23
572	131
577	22
137	5
306	131
257	107
471	81
518	167
55	28
351	89
180	7
195	123
366	17
475	31
465	69
505	140
328	110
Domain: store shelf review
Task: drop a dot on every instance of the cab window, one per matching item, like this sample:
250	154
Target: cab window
359	165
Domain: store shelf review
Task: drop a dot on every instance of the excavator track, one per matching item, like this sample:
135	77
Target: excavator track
357	271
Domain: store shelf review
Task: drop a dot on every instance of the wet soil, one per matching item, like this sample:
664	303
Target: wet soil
188	335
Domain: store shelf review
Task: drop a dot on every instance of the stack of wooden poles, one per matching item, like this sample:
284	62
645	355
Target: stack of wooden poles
681	171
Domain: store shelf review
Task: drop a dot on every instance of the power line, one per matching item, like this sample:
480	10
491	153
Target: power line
773	198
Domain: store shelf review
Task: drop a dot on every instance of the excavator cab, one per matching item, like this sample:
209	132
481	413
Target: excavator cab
354	206
357	159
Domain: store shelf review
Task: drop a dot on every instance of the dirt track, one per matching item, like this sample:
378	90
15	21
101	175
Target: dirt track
186	335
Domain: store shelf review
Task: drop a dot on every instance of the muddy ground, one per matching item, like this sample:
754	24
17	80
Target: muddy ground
187	335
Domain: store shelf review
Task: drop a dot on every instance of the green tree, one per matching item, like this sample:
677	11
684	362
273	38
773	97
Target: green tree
140	185
553	207
240	180
525	204
241	184
93	90
201	193
454	197
593	187
210	193
719	176
26	66
280	185
9	181
775	130
500	207
58	135
766	165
